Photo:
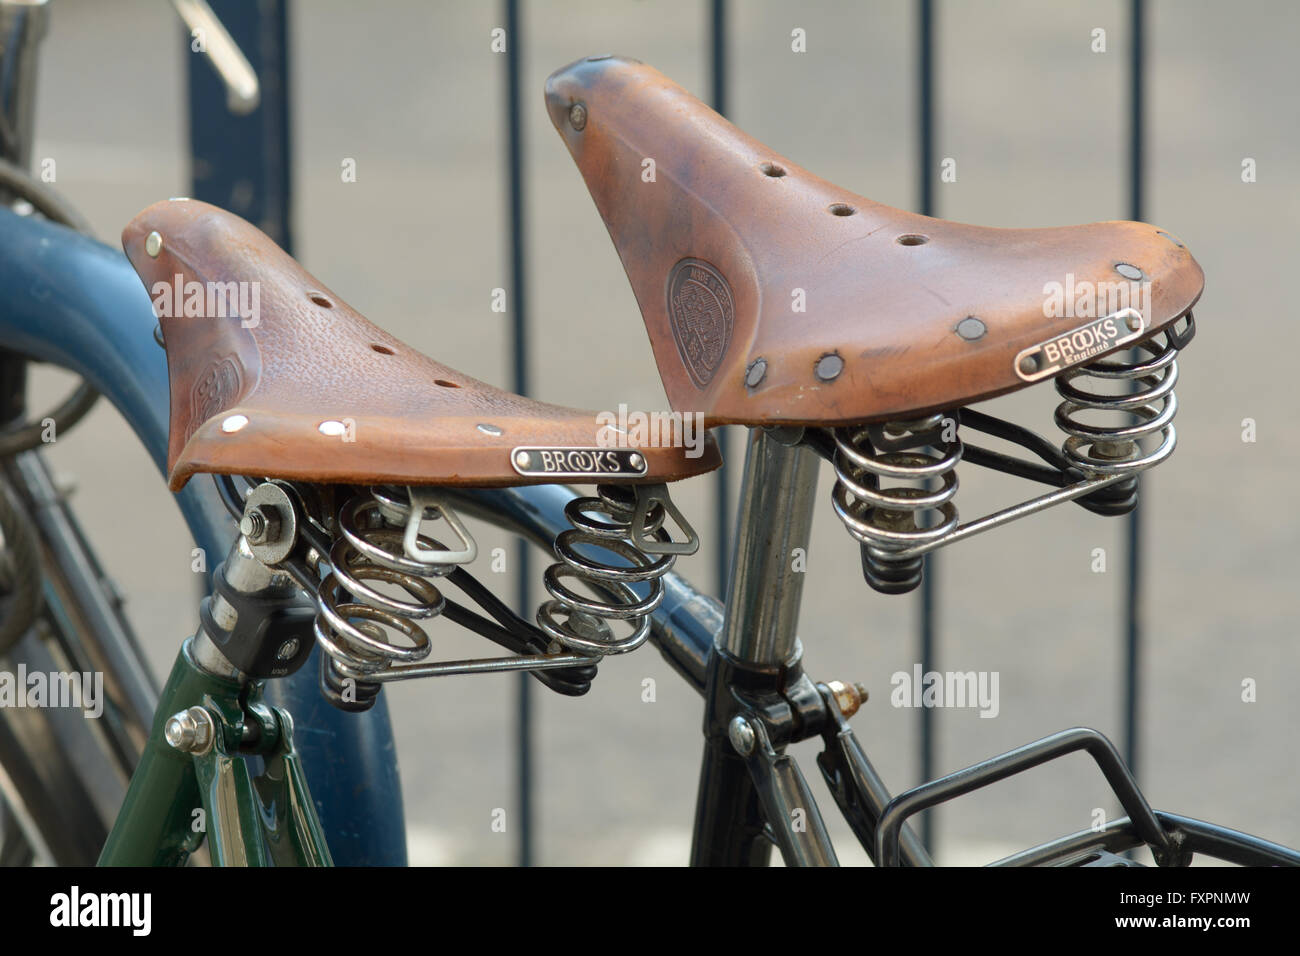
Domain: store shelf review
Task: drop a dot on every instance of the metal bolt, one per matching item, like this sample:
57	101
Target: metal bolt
848	697
288	650
755	373
578	116
260	525
253	527
741	735
153	244
1128	271
1029	365
190	731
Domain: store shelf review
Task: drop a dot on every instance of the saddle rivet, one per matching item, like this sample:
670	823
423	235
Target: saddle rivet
635	460
1128	271
578	116
234	423
829	367
523	459
755	373
489	430
332	428
971	328
1134	322
153	245
1029	365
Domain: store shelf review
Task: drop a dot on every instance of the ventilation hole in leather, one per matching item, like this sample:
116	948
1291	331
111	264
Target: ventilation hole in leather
912	240
382	349
320	300
773	170
444	383
842	209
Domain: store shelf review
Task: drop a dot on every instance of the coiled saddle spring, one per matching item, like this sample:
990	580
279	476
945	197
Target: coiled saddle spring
621	521
379	591
884	516
1117	414
1135	400
379	543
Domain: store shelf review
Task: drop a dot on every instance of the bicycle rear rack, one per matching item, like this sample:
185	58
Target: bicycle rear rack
1173	840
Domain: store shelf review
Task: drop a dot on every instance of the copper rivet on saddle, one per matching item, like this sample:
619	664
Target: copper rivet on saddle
1134	322
578	116
1029	365
755	372
489	429
332	428
153	245
971	328
829	367
523	459
234	423
1128	271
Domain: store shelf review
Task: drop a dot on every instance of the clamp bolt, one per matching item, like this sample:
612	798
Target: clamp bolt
741	735
190	731
848	697
260	525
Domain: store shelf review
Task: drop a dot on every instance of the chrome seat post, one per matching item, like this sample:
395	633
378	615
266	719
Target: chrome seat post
756	694
775	517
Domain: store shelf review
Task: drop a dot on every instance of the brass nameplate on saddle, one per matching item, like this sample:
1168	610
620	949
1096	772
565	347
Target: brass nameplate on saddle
1079	345
593	462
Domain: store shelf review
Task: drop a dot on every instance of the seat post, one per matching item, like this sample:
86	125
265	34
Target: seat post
753	678
775	518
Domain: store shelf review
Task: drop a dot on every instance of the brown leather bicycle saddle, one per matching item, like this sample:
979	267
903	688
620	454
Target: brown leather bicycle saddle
904	314
280	378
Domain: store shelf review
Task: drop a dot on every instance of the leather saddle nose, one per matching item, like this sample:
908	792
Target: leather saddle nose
273	375
772	296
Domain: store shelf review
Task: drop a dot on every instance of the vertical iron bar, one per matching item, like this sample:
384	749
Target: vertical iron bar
519	344
927	624
722	506
1133	523
251	180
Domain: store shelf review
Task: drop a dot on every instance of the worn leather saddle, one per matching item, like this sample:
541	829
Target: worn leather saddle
273	375
774	297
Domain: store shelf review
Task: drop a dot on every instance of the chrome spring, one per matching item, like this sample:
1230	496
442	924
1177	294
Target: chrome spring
610	523
373	548
887	520
1141	392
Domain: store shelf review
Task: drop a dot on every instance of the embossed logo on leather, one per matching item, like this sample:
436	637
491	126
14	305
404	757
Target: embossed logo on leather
213	391
702	313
